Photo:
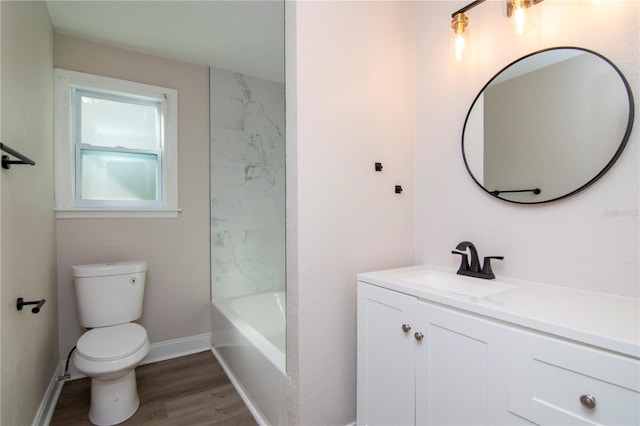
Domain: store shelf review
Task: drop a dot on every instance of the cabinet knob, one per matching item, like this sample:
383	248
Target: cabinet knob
588	401
419	336
406	328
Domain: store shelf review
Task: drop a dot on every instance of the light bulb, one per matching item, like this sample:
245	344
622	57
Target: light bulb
519	17
460	44
458	24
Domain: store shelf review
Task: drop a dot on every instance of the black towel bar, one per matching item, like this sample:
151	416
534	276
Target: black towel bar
534	190
7	161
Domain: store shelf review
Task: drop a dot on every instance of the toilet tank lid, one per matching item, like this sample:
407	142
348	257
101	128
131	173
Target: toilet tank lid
111	268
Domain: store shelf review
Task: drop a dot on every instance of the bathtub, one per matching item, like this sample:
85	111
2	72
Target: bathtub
248	339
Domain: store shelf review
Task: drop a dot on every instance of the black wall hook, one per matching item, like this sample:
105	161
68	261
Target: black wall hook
20	304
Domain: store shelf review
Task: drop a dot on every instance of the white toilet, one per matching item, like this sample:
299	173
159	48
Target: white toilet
109	296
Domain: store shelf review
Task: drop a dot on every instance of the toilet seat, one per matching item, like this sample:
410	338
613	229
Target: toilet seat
111	343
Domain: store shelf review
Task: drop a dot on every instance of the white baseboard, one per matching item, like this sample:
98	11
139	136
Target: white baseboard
176	348
48	405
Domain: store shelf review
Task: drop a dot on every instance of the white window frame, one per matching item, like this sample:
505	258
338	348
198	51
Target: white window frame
66	149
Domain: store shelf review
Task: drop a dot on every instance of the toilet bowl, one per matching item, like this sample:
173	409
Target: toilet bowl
109	355
109	297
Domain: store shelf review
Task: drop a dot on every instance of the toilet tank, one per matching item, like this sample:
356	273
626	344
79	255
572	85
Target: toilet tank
109	293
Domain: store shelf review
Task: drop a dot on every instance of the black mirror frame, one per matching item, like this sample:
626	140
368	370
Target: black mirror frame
623	143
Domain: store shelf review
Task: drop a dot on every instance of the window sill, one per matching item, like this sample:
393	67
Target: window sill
117	214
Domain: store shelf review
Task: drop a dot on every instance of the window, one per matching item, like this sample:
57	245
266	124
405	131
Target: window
115	148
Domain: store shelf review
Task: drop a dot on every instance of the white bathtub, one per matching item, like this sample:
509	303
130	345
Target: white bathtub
249	341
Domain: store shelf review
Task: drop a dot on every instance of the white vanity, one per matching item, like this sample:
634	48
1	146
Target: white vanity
437	348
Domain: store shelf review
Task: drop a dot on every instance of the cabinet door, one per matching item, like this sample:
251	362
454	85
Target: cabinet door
461	365
385	375
553	381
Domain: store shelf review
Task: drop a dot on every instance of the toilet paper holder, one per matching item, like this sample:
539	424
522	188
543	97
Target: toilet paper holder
20	304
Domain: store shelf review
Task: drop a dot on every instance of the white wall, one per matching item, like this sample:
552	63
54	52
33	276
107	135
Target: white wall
27	254
177	290
590	240
350	80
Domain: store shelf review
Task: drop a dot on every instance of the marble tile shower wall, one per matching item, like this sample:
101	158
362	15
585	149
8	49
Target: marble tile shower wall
247	185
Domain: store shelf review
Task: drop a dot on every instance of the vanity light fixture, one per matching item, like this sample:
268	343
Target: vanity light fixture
519	16
459	20
516	8
459	23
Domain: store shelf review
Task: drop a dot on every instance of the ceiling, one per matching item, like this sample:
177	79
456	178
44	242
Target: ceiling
241	36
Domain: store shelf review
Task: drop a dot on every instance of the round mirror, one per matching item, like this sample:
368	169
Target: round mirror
548	125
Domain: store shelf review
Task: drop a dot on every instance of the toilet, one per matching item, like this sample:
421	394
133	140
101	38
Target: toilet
109	297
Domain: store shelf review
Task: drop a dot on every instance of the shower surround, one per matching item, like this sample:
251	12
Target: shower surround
248	239
247	185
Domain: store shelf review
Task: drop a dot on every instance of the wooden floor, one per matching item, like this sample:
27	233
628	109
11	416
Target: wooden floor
191	390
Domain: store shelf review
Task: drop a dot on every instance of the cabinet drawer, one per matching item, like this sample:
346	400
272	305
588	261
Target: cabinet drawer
552	381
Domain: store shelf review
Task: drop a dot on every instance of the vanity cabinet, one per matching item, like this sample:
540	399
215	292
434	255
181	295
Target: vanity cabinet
419	363
423	362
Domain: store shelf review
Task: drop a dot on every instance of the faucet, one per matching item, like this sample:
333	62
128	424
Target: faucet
473	269
475	262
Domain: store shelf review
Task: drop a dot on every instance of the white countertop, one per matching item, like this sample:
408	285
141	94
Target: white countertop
603	320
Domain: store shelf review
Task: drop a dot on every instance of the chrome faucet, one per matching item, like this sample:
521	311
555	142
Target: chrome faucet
473	269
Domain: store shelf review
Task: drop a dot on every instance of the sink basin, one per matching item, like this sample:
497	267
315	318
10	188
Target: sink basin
458	284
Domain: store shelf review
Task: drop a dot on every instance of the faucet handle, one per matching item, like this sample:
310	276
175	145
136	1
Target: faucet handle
464	261
486	266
